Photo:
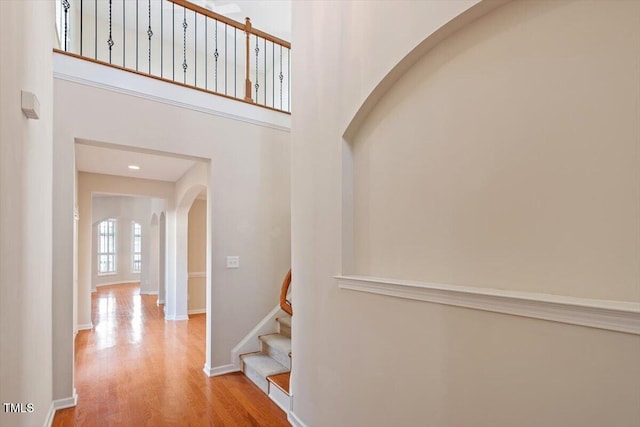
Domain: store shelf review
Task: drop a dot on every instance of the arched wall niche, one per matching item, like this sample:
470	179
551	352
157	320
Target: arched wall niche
492	157
377	94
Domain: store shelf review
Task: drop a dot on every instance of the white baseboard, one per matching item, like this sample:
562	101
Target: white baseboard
177	317
160	302
85	326
219	370
68	402
148	292
50	415
295	420
119	282
197	311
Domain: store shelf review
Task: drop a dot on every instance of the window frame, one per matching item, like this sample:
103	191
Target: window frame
136	256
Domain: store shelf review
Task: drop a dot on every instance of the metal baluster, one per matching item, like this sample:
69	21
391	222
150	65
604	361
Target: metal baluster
273	74
235	62
265	71
81	19
173	43
225	58
215	57
66	5
137	34
195	49
184	45
281	77
257	85
95	28
110	40
150	34
161	40
206	53
124	35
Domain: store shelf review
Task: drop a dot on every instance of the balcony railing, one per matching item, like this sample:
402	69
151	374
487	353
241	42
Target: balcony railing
180	42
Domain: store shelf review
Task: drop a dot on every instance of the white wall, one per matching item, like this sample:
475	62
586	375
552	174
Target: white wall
26	333
506	157
248	193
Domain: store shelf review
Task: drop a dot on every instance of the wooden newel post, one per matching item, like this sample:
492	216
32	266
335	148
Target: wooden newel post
247	81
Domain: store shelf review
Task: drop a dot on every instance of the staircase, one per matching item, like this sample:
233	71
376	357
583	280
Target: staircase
270	367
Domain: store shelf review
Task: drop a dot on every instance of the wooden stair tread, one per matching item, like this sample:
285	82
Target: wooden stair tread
281	342
281	381
263	364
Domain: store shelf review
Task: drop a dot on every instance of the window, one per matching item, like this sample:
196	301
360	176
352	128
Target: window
136	261
107	246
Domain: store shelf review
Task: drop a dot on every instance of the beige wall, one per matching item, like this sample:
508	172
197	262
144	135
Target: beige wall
506	157
515	172
197	255
26	298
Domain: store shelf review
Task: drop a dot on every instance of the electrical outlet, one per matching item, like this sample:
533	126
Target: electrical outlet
233	262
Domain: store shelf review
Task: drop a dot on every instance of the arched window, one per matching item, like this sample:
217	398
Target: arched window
136	252
107	247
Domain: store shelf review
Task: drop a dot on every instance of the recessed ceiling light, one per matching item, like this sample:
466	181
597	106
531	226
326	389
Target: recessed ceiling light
134	167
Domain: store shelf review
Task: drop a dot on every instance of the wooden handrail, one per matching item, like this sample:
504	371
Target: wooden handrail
271	38
284	304
239	25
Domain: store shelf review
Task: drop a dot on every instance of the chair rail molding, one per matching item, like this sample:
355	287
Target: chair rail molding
620	316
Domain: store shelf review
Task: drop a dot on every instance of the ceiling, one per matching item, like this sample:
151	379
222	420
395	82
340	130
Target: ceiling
272	16
115	161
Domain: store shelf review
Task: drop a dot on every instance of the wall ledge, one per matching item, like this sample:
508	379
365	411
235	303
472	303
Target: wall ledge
619	316
87	73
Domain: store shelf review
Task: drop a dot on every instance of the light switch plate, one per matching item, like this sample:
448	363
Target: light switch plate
233	262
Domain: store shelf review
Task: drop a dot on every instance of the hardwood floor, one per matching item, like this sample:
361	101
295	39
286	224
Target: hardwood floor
135	369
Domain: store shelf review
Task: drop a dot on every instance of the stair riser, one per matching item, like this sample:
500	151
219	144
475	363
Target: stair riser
276	354
256	378
285	330
282	399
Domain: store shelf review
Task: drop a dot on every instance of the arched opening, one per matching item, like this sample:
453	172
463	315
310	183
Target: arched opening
162	259
197	255
177	290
